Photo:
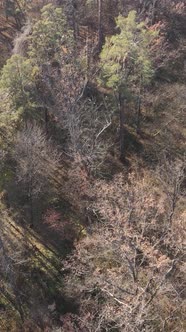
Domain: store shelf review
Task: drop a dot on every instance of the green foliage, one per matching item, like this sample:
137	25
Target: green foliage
9	118
17	95
48	34
125	58
17	80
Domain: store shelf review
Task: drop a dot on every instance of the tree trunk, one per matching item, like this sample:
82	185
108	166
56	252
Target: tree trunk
46	120
153	11
87	55
100	27
138	124
30	197
31	211
122	107
74	20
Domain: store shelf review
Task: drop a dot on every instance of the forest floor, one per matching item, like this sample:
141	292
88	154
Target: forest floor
33	272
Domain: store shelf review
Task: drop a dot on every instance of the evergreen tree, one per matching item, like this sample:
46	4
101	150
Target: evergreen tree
49	35
17	80
126	61
126	58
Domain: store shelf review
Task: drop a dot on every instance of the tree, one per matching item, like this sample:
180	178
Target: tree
18	79
120	273
172	176
100	25
9	119
86	124
36	159
13	9
99	5
126	62
49	48
49	34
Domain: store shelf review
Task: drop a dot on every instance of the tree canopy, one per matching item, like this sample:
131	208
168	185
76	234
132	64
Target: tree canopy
92	165
125	57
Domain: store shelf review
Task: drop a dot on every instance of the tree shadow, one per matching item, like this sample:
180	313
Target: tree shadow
35	275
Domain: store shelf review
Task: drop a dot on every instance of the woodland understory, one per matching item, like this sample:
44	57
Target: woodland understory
92	165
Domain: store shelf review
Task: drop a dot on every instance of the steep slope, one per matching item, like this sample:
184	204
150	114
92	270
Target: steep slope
30	277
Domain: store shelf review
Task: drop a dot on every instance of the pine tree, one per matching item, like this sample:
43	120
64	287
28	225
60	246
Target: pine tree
126	61
49	34
17	80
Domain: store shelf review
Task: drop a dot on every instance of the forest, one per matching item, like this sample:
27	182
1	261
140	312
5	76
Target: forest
92	165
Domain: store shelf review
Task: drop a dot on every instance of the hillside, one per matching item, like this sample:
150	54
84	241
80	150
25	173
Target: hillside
92	166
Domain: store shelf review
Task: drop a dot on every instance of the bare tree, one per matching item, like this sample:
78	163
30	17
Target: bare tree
85	119
120	278
172	175
36	159
87	123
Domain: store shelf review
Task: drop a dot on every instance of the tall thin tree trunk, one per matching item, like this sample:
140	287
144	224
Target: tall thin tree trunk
30	197
100	26
122	107
138	124
153	11
87	55
74	20
31	211
46	120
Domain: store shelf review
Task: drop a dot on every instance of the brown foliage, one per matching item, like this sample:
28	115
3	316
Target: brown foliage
122	273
